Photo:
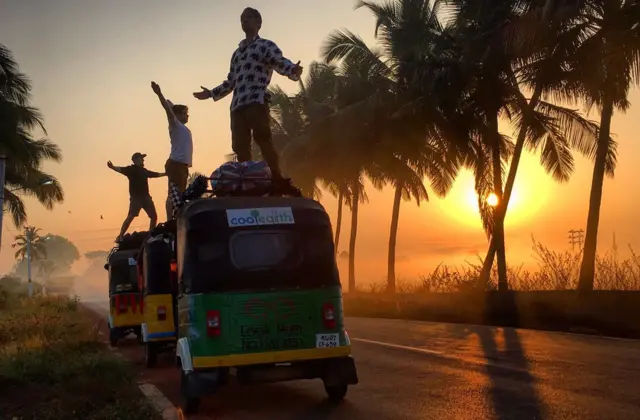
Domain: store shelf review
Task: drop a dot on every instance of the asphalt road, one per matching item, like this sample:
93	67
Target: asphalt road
418	370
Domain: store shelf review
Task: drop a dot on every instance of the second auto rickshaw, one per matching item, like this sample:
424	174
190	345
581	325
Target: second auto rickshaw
158	284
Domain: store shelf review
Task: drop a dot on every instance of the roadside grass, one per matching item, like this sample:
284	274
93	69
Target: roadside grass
54	366
555	271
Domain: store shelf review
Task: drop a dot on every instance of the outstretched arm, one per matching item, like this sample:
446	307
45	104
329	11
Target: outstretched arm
273	58
222	89
152	174
164	102
118	169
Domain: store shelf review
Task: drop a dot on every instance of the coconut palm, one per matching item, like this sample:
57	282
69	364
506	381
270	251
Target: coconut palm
541	46
25	155
30	243
603	69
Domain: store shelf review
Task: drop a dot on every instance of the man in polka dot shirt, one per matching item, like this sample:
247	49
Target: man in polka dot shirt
252	65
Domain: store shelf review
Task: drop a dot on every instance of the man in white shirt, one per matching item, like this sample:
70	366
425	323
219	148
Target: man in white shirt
181	157
252	65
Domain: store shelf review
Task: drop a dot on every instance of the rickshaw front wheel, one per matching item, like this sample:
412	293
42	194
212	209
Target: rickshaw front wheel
336	393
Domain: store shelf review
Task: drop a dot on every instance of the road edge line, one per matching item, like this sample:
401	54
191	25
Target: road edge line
159	401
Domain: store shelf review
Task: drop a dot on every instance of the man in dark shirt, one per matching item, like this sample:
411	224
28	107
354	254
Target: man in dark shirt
139	197
252	65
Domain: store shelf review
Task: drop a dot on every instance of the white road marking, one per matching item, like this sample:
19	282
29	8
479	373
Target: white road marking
480	362
398	346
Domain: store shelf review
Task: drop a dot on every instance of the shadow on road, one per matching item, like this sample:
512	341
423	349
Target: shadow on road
513	391
512	387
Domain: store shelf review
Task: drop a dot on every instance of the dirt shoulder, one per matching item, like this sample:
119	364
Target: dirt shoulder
54	365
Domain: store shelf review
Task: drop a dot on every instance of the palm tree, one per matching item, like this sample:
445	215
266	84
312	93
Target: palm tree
604	67
25	155
541	46
30	245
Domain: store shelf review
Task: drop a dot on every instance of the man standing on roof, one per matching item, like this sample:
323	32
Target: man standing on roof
181	157
139	197
252	65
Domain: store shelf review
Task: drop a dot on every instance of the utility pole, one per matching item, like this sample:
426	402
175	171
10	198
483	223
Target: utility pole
29	283
576	237
3	161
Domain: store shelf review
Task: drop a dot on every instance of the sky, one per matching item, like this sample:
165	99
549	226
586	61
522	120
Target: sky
91	63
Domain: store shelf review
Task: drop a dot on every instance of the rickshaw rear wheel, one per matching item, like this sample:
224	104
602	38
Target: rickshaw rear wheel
150	355
336	393
113	337
189	404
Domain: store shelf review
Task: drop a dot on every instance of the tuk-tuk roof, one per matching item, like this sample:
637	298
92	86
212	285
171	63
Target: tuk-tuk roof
117	255
226	203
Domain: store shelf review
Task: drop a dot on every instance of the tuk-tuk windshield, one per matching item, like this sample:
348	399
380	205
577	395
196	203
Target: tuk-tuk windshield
123	275
260	250
263	259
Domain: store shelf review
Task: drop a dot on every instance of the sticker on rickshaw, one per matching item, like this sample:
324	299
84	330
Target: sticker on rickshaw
132	261
260	217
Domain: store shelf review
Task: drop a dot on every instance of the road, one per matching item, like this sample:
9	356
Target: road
417	370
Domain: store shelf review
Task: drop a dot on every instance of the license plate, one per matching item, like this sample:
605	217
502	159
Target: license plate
324	341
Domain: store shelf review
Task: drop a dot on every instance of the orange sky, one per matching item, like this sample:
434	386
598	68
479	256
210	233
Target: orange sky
91	63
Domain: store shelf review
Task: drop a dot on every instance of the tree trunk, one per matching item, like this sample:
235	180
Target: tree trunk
587	269
393	233
355	201
498	223
339	220
503	205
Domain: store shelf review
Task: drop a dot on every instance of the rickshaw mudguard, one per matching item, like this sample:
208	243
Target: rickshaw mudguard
183	353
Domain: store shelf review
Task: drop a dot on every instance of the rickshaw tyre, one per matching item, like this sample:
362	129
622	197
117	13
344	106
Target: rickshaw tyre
188	404
336	393
150	355
113	337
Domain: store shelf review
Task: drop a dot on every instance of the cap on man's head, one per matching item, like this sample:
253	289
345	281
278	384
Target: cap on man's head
137	155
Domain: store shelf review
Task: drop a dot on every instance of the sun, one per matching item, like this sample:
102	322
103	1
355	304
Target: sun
492	200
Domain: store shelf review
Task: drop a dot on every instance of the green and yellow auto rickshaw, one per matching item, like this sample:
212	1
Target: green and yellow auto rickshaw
158	284
125	311
259	296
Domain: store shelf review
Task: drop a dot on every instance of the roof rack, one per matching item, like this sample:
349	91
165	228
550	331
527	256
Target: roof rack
272	186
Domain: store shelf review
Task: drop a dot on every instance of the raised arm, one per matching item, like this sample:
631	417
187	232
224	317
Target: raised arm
164	102
118	169
273	58
222	89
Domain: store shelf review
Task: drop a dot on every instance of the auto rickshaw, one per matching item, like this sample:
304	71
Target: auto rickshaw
125	311
259	296
158	283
